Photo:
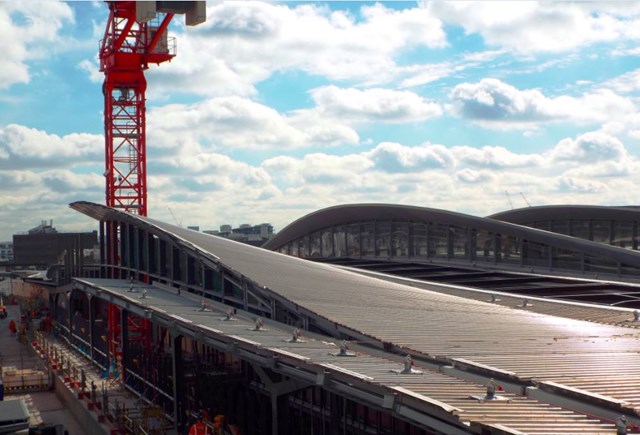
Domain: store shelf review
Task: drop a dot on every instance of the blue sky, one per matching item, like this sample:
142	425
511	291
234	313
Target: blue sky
272	110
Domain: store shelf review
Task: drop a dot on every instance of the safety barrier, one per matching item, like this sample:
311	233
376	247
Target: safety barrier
95	392
20	380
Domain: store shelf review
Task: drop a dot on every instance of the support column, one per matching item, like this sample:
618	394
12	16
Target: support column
245	296
70	313
278	394
92	309
178	384
101	243
274	414
124	342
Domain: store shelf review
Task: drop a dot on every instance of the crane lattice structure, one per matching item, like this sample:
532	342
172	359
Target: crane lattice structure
135	36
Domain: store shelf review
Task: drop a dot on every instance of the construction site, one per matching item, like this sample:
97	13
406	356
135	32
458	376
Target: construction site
355	319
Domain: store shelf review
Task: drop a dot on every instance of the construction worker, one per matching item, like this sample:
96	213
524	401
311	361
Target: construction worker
219	425
199	427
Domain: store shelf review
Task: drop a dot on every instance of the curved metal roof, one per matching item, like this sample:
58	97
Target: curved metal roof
588	358
356	213
372	374
577	212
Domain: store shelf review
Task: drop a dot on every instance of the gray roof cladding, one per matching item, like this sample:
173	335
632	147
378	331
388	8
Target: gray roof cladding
573	212
532	346
431	392
356	213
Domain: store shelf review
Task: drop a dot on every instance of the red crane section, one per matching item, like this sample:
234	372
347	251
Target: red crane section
126	51
135	36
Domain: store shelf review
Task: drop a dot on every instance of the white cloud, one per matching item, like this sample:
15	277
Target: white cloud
495	157
394	157
589	147
23	147
243	43
210	188
92	69
472	176
373	105
581	185
318	169
492	100
628	82
225	123
423	74
605	169
29	196
27	31
14	180
496	104
420	75
527	27
65	181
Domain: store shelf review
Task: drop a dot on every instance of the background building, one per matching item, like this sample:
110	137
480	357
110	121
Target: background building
246	233
6	252
64	254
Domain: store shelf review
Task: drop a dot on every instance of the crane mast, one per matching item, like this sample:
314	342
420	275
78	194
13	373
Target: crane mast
135	36
126	50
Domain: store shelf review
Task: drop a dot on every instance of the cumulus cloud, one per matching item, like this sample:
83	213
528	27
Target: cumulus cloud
495	157
27	31
496	104
529	27
243	43
317	169
209	188
394	157
373	105
471	176
10	180
492	100
224	123
589	147
65	181
24	147
580	185
29	196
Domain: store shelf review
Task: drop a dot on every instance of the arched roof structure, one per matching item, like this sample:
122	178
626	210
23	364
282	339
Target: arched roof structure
463	239
576	212
617	226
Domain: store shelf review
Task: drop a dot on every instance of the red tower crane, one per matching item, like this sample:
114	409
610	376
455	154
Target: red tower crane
135	36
